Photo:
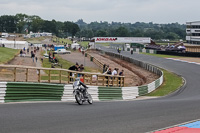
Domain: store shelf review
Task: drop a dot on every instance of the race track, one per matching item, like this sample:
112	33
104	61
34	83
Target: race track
137	116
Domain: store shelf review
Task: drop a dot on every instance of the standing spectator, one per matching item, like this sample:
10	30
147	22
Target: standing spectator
24	49
73	68
36	58
114	72
81	68
121	74
33	56
104	68
27	50
109	72
42	59
21	52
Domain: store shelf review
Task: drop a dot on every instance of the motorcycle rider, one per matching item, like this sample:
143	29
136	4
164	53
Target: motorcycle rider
83	88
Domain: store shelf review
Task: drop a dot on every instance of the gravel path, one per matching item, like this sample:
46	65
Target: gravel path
78	57
27	61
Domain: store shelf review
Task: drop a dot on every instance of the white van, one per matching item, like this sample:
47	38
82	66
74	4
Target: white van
62	51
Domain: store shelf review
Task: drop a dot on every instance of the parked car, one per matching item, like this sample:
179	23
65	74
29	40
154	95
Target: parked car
62	51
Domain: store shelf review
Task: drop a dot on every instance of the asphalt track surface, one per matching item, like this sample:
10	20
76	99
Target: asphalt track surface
137	116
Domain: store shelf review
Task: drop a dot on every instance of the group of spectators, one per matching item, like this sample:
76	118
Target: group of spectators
25	51
108	70
78	68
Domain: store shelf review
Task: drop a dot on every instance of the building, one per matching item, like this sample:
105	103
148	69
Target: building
193	32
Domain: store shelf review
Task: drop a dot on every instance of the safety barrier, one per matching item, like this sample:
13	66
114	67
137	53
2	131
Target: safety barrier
137	50
25	91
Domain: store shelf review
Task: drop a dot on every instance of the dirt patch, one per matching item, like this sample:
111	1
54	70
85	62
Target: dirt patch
135	76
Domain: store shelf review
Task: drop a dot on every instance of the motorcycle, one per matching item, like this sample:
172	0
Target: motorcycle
80	92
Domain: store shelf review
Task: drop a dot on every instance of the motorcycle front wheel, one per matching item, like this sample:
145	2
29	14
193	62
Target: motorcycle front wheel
90	101
78	99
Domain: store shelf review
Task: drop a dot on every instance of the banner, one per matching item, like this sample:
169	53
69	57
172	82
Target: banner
122	40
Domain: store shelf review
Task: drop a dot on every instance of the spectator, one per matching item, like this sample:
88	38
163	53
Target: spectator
80	69
121	73
33	56
109	73
114	72
42	59
104	68
36	59
27	50
21	52
73	68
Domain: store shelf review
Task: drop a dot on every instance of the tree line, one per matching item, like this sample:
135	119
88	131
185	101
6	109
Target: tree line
21	23
171	31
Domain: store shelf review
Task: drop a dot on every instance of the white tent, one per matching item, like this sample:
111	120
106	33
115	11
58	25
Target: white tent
75	45
15	44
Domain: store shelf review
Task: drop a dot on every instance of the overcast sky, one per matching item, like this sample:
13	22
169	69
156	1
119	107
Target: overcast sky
156	11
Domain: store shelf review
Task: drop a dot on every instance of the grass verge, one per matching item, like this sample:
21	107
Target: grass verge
65	64
171	83
7	54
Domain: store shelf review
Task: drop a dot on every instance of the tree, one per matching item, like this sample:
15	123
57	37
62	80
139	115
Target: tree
49	26
21	22
122	32
8	23
36	23
102	33
74	29
71	28
172	36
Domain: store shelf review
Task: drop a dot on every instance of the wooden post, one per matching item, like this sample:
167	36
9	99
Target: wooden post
68	77
113	79
15	74
26	74
103	80
49	76
108	80
60	77
121	81
38	75
97	80
91	79
117	81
